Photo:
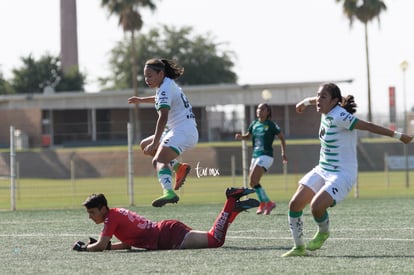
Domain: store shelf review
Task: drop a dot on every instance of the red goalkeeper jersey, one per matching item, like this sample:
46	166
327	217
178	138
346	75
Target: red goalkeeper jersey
138	231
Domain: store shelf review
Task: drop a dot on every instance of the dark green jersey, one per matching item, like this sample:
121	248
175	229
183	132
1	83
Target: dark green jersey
263	134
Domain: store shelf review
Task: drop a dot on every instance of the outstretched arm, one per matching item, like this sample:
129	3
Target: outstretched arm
136	99
377	129
120	245
102	244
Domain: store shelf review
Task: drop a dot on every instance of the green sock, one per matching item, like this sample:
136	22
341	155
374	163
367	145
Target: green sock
175	164
261	194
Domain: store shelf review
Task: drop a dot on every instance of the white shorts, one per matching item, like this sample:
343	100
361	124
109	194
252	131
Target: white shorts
338	185
262	161
180	139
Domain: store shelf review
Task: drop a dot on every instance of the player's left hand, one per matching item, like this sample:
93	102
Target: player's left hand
150	149
92	240
284	159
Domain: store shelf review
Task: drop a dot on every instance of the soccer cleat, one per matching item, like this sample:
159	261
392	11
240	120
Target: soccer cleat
261	208
317	241
237	193
168	197
181	175
269	207
296	251
245	205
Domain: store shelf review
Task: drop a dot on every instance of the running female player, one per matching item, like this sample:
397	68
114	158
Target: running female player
176	128
262	131
332	179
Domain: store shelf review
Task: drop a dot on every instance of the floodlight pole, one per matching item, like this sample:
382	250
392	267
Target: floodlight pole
130	129
12	170
244	153
404	67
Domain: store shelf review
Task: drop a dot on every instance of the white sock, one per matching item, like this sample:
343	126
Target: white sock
296	228
165	178
323	223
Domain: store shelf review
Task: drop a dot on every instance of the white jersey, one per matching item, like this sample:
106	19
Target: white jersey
338	142
169	95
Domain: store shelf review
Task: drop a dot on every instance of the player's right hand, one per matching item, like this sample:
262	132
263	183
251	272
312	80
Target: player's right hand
133	99
300	107
406	138
79	246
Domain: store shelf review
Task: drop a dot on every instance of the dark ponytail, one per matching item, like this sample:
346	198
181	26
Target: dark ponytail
170	68
348	103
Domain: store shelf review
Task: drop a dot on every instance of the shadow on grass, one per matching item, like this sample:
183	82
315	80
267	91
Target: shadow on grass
250	248
257	248
366	256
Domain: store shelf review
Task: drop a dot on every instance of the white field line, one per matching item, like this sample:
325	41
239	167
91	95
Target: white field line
35	222
365	229
37	235
331	239
284	230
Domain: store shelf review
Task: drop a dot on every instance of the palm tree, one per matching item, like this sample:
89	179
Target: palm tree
130	19
364	11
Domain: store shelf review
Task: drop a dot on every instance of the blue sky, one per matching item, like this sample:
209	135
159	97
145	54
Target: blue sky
274	40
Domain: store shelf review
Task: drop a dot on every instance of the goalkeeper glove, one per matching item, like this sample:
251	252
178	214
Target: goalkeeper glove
92	240
79	246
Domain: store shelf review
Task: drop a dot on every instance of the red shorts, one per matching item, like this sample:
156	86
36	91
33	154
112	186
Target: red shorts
172	233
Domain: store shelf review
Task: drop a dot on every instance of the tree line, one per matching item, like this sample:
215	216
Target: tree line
205	62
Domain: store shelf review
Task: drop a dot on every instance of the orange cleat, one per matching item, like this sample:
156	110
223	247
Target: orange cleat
269	207
181	175
261	208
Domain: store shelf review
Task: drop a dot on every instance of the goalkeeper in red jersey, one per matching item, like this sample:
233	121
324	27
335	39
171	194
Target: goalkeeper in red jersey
134	230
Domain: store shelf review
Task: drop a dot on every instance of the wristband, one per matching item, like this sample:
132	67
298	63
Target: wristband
397	135
306	102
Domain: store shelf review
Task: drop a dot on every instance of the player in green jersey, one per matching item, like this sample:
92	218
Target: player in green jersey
262	132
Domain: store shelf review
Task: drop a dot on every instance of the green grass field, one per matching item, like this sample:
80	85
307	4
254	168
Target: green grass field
369	235
63	194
